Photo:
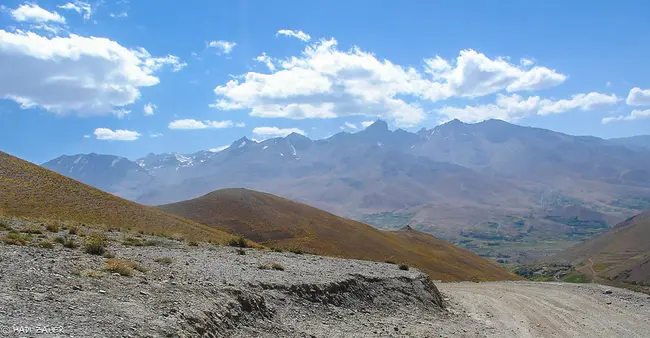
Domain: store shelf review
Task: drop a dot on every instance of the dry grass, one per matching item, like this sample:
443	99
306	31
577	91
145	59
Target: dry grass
124	267
33	229
28	190
92	273
163	260
15	238
46	245
95	244
52	227
283	224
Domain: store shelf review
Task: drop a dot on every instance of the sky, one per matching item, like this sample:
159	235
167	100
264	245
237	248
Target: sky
135	77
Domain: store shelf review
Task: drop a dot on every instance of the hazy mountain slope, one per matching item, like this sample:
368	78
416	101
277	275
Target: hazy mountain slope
113	174
621	254
278	222
27	190
633	142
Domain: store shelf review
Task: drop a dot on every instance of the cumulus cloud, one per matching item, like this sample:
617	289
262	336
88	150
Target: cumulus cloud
325	82
117	135
189	124
638	97
298	34
634	115
526	62
223	47
265	59
30	12
155	135
121	113
267	132
149	109
515	107
350	125
367	124
86	75
82	8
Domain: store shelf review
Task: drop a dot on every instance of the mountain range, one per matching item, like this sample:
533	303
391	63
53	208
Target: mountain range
499	189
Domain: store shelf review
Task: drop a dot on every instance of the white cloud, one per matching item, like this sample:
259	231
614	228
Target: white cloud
294	33
224	47
638	97
86	75
121	113
82	8
634	115
276	132
149	108
367	124
188	124
324	82
117	135
86	136
218	149
514	107
350	125
526	62
30	12
265	59
155	135
119	15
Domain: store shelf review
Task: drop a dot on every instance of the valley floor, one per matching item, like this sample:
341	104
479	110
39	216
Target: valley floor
548	309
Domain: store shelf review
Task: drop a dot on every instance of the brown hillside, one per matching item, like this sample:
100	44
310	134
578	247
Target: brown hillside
281	223
28	190
621	254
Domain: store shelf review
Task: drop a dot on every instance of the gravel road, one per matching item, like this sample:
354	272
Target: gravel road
549	309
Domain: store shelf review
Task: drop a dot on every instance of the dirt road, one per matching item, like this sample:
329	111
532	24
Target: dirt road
550	309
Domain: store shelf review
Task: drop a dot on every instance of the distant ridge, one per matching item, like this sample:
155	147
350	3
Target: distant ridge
280	223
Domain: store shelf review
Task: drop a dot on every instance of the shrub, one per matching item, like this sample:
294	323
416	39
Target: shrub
92	273
163	260
5	226
297	251
73	230
124	267
46	245
273	266
132	241
15	238
95	244
192	243
403	267
69	243
52	227
33	229
277	250
240	251
239	241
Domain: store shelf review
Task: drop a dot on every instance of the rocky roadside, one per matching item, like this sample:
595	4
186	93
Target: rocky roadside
161	287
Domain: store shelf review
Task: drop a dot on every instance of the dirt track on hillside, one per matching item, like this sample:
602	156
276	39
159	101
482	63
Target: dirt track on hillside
530	309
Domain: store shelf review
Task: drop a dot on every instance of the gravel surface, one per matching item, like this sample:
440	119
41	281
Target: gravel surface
549	309
205	290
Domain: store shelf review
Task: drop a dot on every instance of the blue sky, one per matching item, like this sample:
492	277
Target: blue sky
76	76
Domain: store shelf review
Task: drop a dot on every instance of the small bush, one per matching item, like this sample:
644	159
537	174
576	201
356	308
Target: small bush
73	230
5	226
59	239
52	227
15	238
95	244
124	267
297	251
403	267
69	243
192	243
163	260
273	266
46	245
33	229
239	241
92	273
277	250
240	251
132	241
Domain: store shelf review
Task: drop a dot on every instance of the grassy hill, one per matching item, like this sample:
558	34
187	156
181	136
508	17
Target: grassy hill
619	255
28	190
280	223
